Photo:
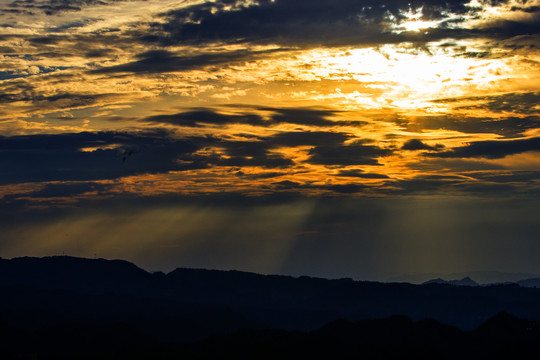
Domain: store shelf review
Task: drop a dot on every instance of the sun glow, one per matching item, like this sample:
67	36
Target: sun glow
407	76
414	22
418	25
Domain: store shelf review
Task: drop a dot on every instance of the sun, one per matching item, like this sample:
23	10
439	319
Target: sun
414	21
417	25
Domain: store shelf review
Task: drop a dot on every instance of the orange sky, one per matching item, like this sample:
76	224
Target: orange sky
101	100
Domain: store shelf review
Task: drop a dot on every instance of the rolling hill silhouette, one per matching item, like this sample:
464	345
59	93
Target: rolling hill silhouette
113	306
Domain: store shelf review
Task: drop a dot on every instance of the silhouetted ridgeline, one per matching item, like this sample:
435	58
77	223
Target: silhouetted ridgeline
466	281
62	305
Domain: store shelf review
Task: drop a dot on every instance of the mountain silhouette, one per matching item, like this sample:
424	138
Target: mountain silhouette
534	283
481	277
85	275
466	281
79	298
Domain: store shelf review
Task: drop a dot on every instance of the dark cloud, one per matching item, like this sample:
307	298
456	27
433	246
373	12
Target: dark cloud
97	53
90	45
491	149
89	156
246	153
51	7
327	148
203	117
424	184
6	50
513	177
455	185
265	175
509	28
299	116
44	40
298	23
477	54
17	90
108	155
310	117
509	127
260	151
488	188
353	154
71	25
23	90
530	9
486	183
287	184
519	102
416	144
360	174
323	23
338	188
68	100
308	138
346	188
163	61
523	103
13	206
68	189
4	75
456	164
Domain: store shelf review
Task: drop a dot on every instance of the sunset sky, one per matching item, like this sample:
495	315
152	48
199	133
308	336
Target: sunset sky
344	138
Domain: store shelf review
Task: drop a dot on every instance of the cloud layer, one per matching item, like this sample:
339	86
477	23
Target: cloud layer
296	129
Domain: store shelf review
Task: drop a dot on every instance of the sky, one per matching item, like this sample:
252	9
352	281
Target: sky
344	138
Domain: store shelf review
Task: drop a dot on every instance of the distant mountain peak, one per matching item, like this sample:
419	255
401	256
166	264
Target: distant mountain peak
435	281
484	277
466	281
532	283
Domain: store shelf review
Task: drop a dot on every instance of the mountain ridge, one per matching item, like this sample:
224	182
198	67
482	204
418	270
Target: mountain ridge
466	281
100	288
483	277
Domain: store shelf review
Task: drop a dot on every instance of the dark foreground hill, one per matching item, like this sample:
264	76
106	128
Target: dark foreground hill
501	337
102	306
